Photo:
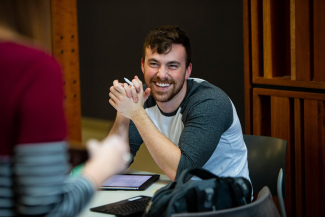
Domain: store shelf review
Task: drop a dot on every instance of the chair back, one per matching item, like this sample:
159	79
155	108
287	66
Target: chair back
266	156
262	207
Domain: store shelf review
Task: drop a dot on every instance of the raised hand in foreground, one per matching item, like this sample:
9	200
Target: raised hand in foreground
107	158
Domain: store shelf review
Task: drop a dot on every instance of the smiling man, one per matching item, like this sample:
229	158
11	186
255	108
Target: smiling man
184	122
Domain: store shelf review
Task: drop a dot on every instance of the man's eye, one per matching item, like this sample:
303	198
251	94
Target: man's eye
153	64
173	66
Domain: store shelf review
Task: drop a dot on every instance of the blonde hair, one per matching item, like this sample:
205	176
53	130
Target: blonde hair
30	20
15	15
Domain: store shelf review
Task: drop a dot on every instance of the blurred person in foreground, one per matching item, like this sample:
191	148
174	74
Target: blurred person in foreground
33	148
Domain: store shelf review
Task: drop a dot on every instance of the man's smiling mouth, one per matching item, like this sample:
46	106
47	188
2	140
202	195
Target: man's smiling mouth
160	84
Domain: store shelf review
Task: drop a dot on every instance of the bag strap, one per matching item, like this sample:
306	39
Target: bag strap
237	190
196	171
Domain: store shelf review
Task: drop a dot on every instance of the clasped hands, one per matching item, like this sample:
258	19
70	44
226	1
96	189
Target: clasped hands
127	99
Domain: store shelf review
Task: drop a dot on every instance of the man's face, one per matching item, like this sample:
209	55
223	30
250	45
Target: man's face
165	74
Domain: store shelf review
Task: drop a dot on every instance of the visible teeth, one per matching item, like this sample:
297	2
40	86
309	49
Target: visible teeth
162	84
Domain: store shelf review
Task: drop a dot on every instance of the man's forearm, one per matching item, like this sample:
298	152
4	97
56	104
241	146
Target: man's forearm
166	154
120	127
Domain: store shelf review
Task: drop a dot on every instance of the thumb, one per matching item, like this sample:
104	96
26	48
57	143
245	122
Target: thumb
146	94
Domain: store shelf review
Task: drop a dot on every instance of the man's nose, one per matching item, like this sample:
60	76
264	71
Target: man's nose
162	72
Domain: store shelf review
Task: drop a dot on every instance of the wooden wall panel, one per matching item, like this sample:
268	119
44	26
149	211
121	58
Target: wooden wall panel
319	40
261	117
257	38
281	119
257	111
275	36
321	156
300	37
65	48
287	93
290	83
283	46
311	157
293	39
299	168
247	66
299	118
292	42
267	39
295	115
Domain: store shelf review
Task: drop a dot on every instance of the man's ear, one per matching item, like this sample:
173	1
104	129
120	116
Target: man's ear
142	67
188	71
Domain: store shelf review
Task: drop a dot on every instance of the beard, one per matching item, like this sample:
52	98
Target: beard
165	96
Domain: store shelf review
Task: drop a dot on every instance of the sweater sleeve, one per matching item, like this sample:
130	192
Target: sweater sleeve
42	186
135	139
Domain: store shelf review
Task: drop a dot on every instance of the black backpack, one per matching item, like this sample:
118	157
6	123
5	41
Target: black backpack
210	193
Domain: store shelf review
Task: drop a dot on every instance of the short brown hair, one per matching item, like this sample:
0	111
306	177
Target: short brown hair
162	38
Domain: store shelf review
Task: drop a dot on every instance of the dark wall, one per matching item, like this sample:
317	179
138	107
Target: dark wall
112	32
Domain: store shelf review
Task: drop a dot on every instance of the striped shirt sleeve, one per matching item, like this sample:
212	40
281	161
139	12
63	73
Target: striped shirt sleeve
40	183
